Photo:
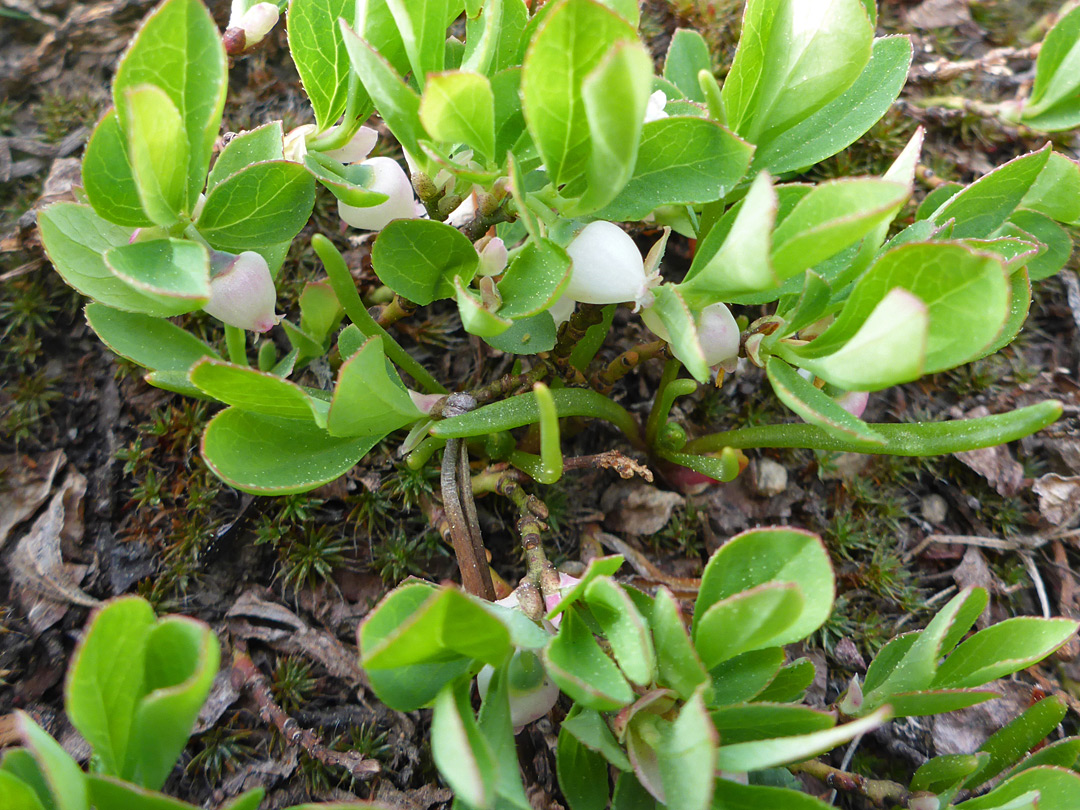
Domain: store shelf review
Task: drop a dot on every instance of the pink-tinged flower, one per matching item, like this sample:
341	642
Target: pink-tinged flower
607	267
493	256
718	334
242	292
532	692
854	402
357	149
389	179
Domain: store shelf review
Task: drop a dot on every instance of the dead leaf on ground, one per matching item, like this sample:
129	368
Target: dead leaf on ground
1059	498
44	583
637	508
27	482
251	616
973	571
962	732
422	798
931	14
995	464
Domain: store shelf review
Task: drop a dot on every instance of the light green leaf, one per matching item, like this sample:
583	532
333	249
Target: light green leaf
173	272
572	40
496	724
750	620
742	722
370	399
758	755
66	781
745	676
113	794
419	258
576	663
406	689
106	679
582	773
687	757
252	146
678	320
459	107
736	260
17	795
477	319
1057	71
844	119
679	666
268	455
814	405
983	207
777	555
423	32
1056	240
179	50
255	391
447	626
591	730
461	753
1008	745
945	772
535	279
687	55
158	150
794	57
615	93
397	103
831	217
75	240
182	657
625	629
266	203
1055	192
107	175
888	348
790	682
318	52
682	160
1002	649
1049	788
966	295
529	335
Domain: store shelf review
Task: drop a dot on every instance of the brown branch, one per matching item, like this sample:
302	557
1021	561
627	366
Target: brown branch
393	312
604	379
245	675
993	61
570	333
882	792
625	466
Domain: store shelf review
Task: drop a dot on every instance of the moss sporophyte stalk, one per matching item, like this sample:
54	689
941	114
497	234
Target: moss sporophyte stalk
535	175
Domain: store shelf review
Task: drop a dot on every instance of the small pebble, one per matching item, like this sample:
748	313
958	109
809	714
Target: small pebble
770	477
934	509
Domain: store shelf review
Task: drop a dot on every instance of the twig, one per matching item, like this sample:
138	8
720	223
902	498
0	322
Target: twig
570	333
879	791
604	379
993	61
460	510
245	675
625	466
1036	578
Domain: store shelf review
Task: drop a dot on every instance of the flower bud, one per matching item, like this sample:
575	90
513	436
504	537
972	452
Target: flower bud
718	334
357	149
854	402
295	143
389	179
607	266
248	27
654	110
532	693
242	293
493	257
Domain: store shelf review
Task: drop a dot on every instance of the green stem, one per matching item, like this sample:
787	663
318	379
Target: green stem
912	439
551	465
345	289
523	410
659	412
236	343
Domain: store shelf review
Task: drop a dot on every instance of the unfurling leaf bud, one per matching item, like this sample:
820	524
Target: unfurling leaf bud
242	292
390	179
608	268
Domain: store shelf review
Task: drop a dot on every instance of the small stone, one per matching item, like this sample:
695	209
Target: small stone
934	509
770	477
